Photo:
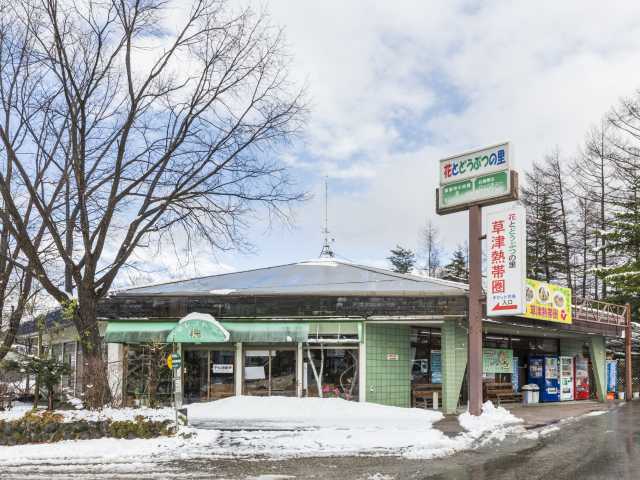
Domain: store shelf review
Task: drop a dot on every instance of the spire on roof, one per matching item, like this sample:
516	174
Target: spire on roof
327	251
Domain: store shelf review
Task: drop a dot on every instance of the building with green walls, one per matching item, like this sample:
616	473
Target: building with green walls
326	327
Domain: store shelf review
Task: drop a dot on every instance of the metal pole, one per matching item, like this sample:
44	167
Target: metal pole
475	310
628	365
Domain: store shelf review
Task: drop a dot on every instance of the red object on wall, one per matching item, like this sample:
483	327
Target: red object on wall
581	378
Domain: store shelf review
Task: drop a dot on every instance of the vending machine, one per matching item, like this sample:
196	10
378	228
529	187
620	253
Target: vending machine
543	371
551	391
581	377
566	378
535	372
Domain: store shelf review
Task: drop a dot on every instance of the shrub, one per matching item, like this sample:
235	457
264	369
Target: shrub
46	427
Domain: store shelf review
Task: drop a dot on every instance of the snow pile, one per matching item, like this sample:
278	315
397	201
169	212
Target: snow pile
289	412
109	450
115	414
280	427
118	414
495	421
75	402
17	411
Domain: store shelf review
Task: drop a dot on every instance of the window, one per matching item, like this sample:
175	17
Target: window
426	356
270	372
332	369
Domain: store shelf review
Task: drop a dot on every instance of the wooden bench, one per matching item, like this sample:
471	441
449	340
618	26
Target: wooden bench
501	393
430	394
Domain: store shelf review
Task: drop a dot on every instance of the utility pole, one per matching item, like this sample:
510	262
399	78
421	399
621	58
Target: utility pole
628	362
475	310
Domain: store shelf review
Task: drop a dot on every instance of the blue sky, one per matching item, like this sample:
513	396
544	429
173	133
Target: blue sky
394	86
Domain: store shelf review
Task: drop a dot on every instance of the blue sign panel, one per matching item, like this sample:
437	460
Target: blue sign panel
436	366
612	375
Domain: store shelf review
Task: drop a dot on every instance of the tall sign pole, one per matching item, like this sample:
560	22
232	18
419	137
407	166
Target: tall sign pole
628	359
475	310
470	181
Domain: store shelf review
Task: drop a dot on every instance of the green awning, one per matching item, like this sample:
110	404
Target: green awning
267	332
334	328
198	328
201	330
133	331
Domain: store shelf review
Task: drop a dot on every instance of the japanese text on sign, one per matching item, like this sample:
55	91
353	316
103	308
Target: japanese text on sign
474	164
505	261
549	302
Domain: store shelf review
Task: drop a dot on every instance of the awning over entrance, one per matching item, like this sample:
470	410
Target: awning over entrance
268	332
203	328
130	331
198	328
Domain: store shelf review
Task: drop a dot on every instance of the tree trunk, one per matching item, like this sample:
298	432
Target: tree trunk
94	372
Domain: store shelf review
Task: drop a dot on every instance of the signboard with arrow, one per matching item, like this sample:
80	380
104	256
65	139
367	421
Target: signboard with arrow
506	260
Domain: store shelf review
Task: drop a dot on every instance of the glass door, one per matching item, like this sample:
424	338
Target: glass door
283	373
208	375
222	371
196	375
270	372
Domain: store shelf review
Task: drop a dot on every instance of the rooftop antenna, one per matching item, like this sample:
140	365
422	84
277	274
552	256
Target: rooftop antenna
326	252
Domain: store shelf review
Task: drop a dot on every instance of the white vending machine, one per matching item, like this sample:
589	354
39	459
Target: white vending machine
566	379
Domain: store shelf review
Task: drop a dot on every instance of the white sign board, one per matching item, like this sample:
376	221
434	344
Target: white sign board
506	261
222	368
476	163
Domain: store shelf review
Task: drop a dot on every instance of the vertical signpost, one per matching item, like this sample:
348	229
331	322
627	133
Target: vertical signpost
174	362
628	361
468	182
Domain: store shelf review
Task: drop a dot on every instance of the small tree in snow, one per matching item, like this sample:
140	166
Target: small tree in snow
402	259
47	371
458	269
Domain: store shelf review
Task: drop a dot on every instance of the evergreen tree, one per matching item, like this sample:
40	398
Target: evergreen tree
457	269
623	238
402	259
544	253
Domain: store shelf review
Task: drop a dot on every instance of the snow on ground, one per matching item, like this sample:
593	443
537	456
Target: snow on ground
17	411
296	427
493	419
117	414
273	427
109	450
309	412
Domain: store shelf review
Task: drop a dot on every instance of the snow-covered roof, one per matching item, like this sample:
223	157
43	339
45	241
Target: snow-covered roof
313	277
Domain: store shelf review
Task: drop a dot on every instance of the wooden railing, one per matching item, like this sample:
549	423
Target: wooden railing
602	313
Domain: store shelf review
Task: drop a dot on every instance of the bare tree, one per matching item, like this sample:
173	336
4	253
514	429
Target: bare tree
140	130
557	190
431	249
597	185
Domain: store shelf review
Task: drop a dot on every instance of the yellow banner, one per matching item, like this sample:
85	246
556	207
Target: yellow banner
548	302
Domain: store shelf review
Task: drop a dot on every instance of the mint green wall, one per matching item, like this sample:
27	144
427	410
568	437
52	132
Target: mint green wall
598	361
571	347
454	362
388	381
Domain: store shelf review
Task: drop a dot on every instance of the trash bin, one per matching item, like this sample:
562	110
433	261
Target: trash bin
530	394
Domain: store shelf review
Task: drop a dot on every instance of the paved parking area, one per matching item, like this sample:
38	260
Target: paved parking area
537	415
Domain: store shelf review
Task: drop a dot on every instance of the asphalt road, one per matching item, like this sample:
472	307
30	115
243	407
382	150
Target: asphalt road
594	447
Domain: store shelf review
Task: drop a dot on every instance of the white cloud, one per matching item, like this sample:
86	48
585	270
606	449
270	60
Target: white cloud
394	86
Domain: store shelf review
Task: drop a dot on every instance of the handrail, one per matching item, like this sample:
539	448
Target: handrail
595	311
